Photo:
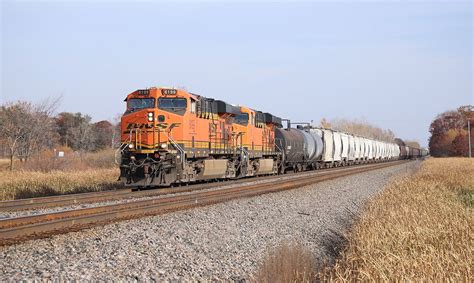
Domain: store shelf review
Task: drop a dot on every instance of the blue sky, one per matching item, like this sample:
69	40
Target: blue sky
394	64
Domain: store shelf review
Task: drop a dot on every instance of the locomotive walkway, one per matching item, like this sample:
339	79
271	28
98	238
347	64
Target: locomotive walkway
42	225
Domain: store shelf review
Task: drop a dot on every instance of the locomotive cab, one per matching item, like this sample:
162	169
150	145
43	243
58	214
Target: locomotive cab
151	116
151	119
172	136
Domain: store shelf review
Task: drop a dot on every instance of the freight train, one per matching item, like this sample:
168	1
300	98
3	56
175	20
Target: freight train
171	136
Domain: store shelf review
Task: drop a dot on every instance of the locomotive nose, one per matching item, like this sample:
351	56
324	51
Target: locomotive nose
139	129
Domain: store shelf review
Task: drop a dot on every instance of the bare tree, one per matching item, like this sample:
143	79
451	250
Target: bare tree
116	133
324	123
26	128
362	128
40	128
82	136
413	143
13	127
104	132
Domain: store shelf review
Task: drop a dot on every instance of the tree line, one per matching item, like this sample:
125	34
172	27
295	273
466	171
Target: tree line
449	132
27	129
360	128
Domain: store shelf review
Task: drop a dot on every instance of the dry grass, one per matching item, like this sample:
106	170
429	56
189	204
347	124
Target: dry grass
419	229
290	262
45	175
25	184
72	161
4	164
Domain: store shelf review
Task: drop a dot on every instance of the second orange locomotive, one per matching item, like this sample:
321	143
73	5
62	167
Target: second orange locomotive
173	136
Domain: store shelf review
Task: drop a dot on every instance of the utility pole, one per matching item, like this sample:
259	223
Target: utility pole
469	134
468	113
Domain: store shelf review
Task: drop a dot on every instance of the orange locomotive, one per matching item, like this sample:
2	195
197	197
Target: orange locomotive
173	136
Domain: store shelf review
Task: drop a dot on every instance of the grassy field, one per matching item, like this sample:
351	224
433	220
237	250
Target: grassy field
419	229
46	175
4	163
25	184
289	262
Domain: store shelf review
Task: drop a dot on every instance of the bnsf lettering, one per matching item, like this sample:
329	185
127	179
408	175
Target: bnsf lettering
147	126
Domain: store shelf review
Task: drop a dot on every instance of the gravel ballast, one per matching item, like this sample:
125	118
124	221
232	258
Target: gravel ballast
222	241
217	186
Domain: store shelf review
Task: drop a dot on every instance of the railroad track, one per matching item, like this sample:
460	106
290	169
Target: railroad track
72	199
36	226
120	194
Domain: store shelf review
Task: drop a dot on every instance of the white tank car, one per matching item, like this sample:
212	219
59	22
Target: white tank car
327	155
313	146
352	148
364	151
370	146
325	145
382	150
357	148
337	147
376	150
345	147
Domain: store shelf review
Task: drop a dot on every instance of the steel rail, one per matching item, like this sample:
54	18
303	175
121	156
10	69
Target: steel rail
37	226
71	199
80	198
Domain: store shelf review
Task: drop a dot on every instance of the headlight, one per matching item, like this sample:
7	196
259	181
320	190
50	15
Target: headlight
130	146
150	116
164	145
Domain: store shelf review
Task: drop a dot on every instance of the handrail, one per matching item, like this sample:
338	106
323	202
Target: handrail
122	147
119	149
244	151
178	147
281	150
138	135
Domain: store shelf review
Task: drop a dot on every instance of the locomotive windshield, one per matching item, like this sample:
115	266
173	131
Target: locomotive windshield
140	103
172	103
242	119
